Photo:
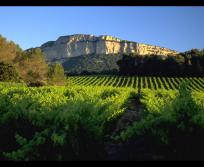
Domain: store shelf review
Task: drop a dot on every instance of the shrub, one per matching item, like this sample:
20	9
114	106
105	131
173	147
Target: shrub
56	74
8	73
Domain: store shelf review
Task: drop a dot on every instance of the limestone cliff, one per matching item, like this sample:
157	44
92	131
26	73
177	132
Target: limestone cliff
79	44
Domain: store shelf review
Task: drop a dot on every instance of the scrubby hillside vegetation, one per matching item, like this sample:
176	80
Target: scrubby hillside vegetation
92	64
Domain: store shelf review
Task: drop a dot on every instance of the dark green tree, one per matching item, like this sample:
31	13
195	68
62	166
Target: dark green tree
56	74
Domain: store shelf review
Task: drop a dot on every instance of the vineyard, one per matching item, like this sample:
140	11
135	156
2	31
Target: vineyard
154	83
103	118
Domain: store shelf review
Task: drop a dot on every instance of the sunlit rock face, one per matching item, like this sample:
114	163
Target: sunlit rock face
80	44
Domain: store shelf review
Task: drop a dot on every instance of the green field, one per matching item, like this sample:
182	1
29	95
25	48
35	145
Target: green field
94	115
154	83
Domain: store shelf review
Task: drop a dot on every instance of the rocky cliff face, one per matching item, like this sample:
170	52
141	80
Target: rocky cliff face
76	45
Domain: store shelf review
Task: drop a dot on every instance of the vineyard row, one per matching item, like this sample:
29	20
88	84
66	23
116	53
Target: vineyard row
195	83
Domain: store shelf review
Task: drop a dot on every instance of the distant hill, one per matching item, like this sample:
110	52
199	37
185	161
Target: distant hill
80	44
81	53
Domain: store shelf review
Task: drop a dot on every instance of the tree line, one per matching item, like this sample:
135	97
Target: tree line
27	66
189	63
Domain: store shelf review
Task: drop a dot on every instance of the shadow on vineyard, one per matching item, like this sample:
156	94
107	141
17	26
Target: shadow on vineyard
175	133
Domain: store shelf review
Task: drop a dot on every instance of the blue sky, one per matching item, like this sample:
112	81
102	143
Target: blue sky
178	28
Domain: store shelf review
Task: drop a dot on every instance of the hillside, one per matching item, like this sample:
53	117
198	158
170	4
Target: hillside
92	64
80	44
81	53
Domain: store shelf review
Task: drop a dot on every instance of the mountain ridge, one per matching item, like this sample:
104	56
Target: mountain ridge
86	44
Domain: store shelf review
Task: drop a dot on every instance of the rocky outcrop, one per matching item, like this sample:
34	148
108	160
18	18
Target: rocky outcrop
79	44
